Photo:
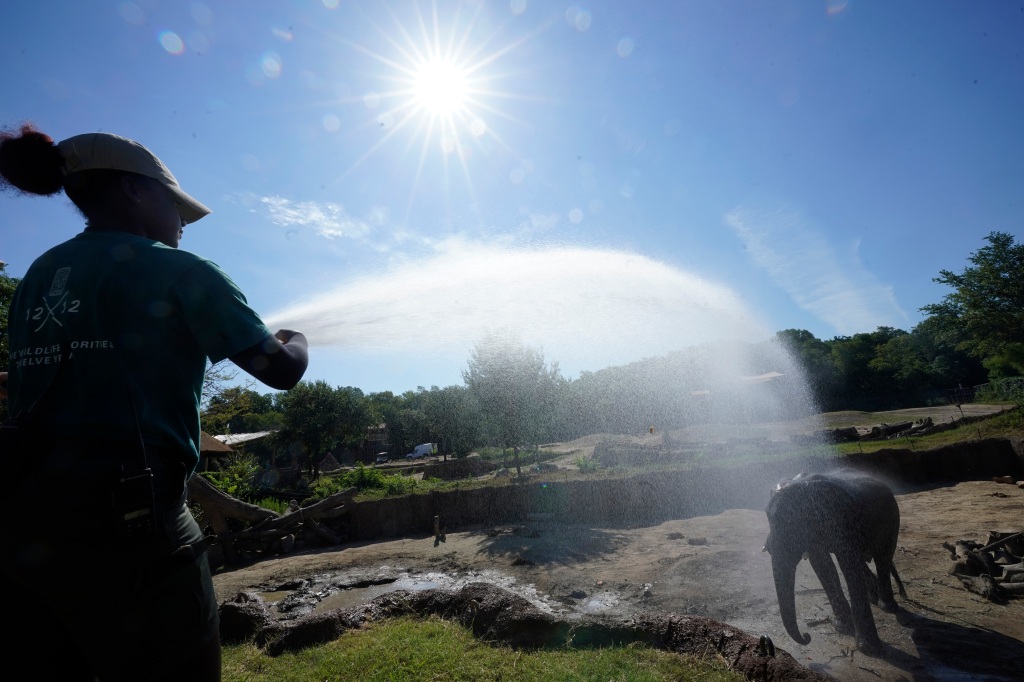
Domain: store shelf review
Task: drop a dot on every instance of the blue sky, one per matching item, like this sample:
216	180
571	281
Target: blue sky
611	180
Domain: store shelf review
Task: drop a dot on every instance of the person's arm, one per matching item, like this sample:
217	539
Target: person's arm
279	361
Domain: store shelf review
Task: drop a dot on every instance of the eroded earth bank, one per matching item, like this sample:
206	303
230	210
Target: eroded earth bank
700	582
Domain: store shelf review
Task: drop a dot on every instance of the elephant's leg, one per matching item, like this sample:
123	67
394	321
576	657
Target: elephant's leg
872	584
864	623
825	569
886	570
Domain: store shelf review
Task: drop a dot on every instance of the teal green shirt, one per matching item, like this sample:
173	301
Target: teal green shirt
135	321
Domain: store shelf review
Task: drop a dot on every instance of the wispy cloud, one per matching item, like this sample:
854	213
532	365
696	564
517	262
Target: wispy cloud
836	288
537	223
376	229
328	219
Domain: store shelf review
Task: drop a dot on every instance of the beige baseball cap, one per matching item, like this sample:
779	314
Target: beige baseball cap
104	151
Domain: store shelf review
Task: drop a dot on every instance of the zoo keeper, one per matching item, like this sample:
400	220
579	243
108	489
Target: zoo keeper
110	335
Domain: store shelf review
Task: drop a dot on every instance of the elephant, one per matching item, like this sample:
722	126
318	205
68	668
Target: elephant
872	583
851	515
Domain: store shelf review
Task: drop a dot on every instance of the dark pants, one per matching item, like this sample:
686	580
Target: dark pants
87	603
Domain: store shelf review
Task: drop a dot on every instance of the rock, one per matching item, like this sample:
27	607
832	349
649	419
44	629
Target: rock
316	629
495	614
247	617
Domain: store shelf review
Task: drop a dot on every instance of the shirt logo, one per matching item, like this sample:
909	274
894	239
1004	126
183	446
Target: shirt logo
60	280
46	312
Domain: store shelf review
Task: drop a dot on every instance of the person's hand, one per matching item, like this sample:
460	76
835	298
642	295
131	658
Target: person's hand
280	365
3	385
286	335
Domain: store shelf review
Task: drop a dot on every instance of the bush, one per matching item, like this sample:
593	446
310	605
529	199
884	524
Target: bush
586	465
1008	389
364	479
238	478
273	504
493	454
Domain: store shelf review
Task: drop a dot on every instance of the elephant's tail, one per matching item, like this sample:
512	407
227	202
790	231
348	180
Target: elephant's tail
899	583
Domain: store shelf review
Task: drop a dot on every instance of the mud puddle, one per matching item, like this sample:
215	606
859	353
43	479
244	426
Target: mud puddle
325	592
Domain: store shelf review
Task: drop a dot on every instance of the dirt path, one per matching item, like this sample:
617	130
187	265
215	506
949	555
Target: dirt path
709	566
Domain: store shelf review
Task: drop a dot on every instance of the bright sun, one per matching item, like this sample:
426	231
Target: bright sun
441	91
440	88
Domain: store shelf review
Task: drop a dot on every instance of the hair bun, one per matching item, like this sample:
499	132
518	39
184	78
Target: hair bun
30	161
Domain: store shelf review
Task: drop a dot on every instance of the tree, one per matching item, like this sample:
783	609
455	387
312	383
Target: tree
453	416
903	360
864	385
405	422
984	315
513	386
815	357
235	409
949	366
320	418
7	286
353	416
217	379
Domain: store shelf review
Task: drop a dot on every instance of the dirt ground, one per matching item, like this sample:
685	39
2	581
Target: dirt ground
708	566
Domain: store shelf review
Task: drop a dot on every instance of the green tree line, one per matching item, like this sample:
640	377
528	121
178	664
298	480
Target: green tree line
513	397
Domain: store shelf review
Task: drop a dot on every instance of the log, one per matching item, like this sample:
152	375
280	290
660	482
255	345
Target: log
1010	570
250	534
892	429
324	532
963	567
334	500
997	538
965	548
268	527
335	513
327	508
985	586
976	568
1012	589
971	560
218	507
213	500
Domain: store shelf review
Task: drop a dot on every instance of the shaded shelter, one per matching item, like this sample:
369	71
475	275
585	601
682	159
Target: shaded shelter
211	452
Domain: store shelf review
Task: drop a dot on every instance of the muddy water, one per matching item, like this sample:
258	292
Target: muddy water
341	590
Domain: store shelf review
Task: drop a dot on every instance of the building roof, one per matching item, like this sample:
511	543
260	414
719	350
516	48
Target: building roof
761	378
208	443
236	438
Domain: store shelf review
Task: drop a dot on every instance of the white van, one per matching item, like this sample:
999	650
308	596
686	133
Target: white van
422	450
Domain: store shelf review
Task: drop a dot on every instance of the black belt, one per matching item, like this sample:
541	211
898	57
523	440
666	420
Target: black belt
85	472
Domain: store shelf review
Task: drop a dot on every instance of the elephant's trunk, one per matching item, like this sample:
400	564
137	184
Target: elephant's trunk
784	571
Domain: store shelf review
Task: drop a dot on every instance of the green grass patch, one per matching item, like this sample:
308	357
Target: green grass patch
365	480
412	649
505	457
373	483
1009	424
273	504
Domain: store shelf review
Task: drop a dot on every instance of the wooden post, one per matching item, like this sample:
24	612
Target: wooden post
438	535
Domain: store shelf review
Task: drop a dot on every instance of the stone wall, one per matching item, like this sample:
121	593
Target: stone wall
648	499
